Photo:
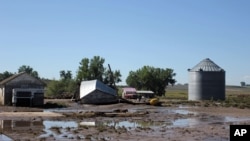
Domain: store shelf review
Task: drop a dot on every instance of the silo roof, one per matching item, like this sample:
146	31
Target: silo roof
207	65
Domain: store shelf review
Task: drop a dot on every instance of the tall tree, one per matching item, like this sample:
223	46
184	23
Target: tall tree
63	88
112	77
65	75
28	70
83	70
96	68
91	69
5	75
150	78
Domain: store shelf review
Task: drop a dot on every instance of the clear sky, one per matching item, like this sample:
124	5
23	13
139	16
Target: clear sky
54	35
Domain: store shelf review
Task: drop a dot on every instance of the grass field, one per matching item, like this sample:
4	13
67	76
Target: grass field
235	96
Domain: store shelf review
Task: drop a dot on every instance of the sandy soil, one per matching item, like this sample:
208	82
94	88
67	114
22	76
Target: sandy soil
175	123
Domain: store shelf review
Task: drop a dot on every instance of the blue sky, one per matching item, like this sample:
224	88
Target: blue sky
54	35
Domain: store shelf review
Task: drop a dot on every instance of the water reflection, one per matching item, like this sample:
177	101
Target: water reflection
135	124
205	119
58	129
183	112
150	109
5	138
65	129
190	122
61	124
10	125
15	125
15	128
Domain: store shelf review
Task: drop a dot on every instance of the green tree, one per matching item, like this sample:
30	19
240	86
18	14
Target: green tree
150	78
83	70
96	68
65	75
5	75
28	70
54	89
111	77
63	88
243	84
91	69
68	83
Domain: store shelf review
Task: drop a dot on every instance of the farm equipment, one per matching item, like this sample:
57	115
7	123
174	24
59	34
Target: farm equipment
154	102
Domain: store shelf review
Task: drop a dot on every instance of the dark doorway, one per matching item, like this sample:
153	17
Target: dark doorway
23	102
23	98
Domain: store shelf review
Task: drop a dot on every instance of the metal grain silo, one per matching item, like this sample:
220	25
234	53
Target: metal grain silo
206	81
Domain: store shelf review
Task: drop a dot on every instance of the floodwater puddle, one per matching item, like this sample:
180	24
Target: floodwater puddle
60	124
67	129
130	125
59	129
149	109
213	120
183	112
15	125
5	138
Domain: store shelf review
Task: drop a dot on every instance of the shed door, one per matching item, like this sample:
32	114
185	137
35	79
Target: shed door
23	99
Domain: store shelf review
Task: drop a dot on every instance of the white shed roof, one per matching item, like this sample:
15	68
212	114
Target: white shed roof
145	92
89	86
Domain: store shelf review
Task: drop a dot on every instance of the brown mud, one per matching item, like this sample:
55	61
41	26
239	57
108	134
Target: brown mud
120	122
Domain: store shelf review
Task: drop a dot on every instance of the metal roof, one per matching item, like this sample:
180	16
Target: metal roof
129	89
7	80
207	65
89	86
145	92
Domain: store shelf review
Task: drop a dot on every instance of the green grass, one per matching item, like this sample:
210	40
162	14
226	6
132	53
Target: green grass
235	97
240	101
176	94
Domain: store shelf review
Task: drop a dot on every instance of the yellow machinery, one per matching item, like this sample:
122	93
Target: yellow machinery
154	101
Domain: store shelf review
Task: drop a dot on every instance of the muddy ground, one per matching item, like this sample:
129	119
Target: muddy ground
120	122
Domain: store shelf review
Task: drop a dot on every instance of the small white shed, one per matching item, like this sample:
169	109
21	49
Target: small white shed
96	92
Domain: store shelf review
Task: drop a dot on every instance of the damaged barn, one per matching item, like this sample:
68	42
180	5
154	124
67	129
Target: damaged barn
22	89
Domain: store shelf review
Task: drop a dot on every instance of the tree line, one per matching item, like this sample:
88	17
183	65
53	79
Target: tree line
23	68
151	78
146	78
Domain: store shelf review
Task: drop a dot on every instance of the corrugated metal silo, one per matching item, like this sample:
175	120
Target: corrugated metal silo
206	81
